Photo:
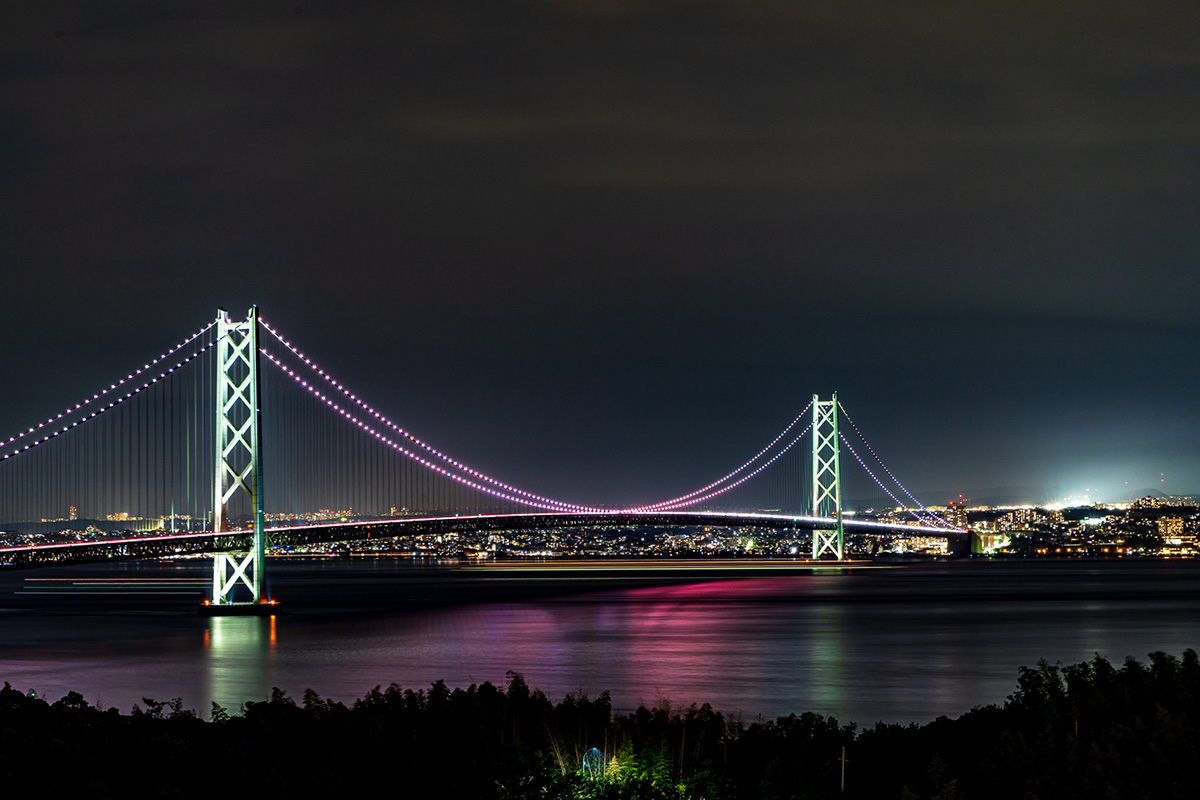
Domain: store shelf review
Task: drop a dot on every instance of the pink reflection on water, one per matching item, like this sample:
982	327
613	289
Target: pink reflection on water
743	589
711	639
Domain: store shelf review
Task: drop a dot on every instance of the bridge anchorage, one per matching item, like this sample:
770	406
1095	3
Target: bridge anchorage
239	579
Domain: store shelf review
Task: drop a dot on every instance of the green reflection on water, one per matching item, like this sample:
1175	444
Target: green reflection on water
238	653
828	681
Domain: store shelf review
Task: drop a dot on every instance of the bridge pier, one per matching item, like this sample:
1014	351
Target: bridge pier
238	578
827	478
980	543
963	547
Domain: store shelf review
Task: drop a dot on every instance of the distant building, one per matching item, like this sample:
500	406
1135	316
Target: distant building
956	514
1176	539
1152	502
1170	527
1023	519
921	544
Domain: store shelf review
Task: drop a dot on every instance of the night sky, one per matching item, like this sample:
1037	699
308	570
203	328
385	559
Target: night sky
606	250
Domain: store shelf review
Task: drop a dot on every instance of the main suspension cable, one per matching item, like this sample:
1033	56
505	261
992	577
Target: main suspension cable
929	517
885	469
719	481
70	410
401	431
512	494
113	404
722	490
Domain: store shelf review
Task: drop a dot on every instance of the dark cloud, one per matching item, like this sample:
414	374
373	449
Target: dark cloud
976	221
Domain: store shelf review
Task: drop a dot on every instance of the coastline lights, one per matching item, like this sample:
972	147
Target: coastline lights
111	405
70	410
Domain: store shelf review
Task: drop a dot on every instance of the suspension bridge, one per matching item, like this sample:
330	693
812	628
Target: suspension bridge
235	441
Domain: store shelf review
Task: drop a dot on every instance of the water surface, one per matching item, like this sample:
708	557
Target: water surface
902	643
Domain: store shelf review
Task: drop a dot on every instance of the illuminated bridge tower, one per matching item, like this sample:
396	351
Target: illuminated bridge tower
239	466
827	477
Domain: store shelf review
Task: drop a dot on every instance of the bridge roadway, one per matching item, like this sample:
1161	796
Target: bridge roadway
133	548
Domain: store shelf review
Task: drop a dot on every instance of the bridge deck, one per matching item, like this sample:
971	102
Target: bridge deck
208	542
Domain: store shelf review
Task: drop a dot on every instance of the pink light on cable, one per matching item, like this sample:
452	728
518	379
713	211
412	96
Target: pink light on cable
735	484
929	518
526	499
396	428
885	468
719	481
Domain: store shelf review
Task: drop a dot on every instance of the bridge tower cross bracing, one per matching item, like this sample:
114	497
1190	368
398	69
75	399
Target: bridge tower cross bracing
238	459
826	478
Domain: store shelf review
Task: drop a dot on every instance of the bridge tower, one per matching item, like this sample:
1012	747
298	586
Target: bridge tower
238	465
827	477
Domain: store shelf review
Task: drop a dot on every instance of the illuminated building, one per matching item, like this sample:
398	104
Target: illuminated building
1170	527
956	514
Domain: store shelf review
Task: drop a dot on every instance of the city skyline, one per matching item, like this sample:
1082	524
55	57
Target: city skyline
603	250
